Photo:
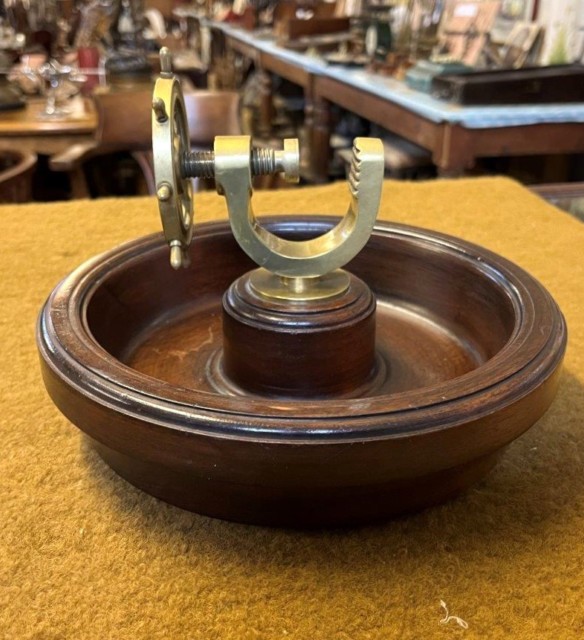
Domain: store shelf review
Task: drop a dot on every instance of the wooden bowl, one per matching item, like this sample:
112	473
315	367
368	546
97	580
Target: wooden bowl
469	352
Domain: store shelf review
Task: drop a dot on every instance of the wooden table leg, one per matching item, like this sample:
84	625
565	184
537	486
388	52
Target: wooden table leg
266	105
79	188
319	136
306	142
453	153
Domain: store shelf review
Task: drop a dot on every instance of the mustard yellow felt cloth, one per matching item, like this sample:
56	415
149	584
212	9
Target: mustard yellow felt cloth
85	555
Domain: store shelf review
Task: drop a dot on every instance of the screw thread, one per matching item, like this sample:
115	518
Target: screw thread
263	162
198	164
201	164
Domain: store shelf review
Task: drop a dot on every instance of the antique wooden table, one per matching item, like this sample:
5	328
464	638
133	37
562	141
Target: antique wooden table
26	130
455	135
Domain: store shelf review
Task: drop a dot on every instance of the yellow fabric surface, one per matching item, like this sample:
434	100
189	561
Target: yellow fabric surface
85	555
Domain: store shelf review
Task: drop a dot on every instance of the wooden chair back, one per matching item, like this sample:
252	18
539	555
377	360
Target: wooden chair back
16	169
210	114
125	120
125	124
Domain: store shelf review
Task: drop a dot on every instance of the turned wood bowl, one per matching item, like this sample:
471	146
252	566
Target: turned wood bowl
469	348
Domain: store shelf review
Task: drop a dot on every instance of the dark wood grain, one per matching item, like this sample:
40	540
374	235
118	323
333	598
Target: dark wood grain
472	347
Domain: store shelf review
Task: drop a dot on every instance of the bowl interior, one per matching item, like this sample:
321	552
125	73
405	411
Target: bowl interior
441	312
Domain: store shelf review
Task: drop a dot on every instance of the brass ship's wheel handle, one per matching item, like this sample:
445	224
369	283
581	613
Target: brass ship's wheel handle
292	266
175	164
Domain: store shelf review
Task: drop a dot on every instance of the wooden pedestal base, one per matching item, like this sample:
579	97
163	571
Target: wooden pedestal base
307	349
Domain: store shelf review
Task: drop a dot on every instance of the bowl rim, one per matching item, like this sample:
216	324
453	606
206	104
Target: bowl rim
533	352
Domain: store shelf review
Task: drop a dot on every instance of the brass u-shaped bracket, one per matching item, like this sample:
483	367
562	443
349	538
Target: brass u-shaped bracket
304	258
293	265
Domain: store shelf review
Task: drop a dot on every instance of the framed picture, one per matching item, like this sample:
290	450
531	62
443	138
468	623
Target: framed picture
510	13
520	43
465	28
